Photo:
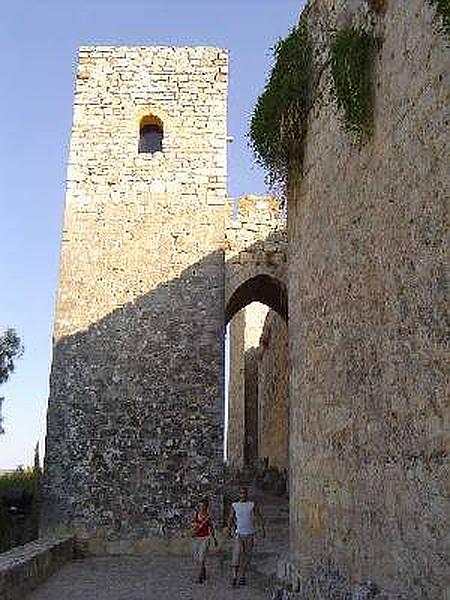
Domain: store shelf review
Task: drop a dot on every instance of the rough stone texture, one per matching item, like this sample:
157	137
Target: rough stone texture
245	330
273	390
25	567
236	392
135	409
256	255
368	304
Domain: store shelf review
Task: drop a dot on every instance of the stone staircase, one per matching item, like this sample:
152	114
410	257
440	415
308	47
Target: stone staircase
270	549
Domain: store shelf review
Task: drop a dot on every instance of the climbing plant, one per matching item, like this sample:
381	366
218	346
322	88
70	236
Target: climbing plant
443	8
278	123
352	67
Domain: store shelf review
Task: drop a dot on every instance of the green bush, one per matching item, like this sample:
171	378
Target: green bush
443	8
278	123
352	67
17	529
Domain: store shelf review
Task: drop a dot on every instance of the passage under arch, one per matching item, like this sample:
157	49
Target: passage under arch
261	288
151	134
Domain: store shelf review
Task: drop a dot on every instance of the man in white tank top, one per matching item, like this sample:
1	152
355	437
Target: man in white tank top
243	518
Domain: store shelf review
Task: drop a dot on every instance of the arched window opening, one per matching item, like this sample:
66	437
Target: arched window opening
151	135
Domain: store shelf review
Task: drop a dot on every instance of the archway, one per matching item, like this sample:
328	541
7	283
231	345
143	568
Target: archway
257	392
263	288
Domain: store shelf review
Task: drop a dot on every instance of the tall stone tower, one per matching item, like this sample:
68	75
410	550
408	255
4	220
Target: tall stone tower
135	409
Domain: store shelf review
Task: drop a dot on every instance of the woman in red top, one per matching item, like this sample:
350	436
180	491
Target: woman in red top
202	532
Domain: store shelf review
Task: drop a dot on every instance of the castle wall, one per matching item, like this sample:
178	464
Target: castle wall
136	402
367	316
255	245
273	390
236	392
245	330
255	315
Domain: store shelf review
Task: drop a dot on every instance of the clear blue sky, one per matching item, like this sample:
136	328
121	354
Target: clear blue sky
38	46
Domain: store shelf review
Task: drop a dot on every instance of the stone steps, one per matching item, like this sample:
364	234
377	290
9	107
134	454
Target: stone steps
276	543
268	551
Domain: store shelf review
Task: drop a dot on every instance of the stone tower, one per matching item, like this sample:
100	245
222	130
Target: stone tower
135	409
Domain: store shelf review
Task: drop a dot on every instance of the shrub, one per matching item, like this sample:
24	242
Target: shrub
278	123
19	508
443	8
352	66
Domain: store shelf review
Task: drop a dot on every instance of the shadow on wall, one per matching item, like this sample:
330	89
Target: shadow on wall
251	405
135	417
134	433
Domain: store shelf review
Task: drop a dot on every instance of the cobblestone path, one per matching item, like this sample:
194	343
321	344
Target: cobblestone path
144	578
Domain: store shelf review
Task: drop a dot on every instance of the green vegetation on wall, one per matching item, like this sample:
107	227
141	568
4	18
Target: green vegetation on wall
352	66
278	123
443	8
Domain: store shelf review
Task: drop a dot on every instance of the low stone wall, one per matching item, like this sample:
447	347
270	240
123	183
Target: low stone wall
25	567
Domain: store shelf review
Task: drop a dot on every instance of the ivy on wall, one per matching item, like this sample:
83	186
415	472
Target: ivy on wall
278	124
279	120
443	8
352	67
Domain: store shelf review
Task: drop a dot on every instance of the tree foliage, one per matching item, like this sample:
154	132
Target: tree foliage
11	348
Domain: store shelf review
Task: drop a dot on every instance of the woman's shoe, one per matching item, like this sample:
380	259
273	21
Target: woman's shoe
202	577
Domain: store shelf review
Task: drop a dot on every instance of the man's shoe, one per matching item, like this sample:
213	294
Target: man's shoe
242	581
234	582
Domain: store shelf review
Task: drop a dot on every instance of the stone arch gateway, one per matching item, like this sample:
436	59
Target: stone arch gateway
256	256
260	288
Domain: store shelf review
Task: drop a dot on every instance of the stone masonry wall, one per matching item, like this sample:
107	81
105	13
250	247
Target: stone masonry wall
26	567
368	301
245	331
236	392
255	315
273	390
135	409
255	248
